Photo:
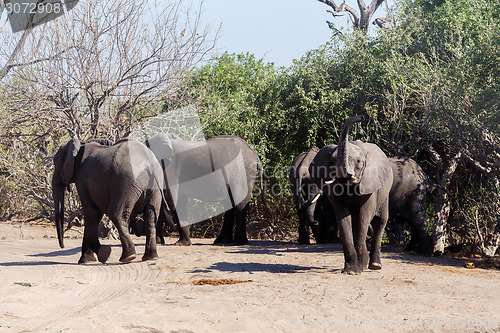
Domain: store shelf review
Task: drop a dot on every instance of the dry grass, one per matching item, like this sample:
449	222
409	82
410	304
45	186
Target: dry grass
218	282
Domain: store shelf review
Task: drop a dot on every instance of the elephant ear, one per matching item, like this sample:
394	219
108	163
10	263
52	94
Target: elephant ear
378	169
320	165
72	148
161	146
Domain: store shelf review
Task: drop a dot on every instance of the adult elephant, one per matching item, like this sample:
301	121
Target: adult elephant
357	178
221	169
119	180
408	200
313	209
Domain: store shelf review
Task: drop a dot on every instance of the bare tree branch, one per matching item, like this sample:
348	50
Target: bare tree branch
20	44
342	8
436	158
97	71
360	20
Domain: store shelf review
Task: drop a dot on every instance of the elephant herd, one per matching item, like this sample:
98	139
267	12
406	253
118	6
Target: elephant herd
353	186
346	190
126	179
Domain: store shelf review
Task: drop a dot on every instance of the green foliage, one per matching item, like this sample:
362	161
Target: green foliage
426	81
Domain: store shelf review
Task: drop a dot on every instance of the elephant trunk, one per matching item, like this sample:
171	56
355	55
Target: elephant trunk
342	156
310	213
58	195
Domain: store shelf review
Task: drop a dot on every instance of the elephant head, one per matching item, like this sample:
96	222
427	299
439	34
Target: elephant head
162	146
357	163
64	167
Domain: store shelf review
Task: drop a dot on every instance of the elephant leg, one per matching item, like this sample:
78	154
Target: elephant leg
160	226
344	220
329	222
91	244
181	209
226	233
378	224
88	243
378	228
360	230
120	220
420	239
326	220
184	238
150	221
304	235
240	230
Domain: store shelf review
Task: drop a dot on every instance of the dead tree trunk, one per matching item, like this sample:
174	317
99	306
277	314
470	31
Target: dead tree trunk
443	206
492	242
360	20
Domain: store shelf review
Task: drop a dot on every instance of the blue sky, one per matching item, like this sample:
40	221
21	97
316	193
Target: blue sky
276	30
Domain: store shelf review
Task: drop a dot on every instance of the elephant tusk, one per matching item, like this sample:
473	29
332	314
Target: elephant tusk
354	179
328	182
315	198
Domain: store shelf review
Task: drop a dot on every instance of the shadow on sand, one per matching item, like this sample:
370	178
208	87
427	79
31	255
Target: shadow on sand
276	247
252	267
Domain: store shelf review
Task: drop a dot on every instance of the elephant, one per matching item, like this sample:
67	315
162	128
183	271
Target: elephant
313	209
220	169
408	198
407	201
120	181
136	225
357	178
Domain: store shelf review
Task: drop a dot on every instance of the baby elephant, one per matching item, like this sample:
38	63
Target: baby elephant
119	181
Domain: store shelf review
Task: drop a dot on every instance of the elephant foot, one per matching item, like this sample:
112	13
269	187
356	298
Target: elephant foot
153	255
375	266
410	247
128	256
183	242
304	239
221	240
103	253
350	272
304	236
87	258
426	252
241	242
304	242
160	240
352	269
424	247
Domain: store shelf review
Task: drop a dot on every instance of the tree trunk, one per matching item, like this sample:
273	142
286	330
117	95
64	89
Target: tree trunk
443	206
359	21
492	242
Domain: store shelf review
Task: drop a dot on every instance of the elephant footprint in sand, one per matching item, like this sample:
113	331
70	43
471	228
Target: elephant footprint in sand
119	181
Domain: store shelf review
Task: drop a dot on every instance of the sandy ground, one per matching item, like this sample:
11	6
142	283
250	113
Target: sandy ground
262	287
